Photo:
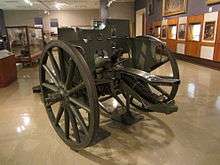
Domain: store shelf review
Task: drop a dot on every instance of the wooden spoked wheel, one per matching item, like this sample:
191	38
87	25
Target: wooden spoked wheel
69	94
155	58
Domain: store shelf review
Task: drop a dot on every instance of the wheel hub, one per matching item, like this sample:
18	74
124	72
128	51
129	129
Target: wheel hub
63	93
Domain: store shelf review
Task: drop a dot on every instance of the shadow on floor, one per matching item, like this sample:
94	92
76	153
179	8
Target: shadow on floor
142	138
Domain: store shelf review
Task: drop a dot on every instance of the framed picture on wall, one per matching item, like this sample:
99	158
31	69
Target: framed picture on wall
173	7
210	2
38	22
182	32
54	22
209	31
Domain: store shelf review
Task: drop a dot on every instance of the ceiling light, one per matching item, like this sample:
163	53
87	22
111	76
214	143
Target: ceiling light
28	2
46	12
59	5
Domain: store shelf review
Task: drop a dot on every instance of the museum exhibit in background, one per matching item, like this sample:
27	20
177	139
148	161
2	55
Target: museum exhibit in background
173	7
190	28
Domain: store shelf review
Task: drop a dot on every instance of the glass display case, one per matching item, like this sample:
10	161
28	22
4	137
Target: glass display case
25	42
172	32
194	32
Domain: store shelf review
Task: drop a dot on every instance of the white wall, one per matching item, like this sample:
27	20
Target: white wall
69	18
122	10
65	18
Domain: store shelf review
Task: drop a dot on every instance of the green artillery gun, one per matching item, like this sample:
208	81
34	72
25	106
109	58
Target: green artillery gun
86	67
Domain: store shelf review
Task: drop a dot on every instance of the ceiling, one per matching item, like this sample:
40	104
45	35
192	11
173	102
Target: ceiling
52	4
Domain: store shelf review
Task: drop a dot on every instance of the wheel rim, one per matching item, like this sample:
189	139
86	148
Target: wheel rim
69	94
158	62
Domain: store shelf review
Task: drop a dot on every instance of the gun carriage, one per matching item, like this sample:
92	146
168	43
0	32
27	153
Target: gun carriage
86	67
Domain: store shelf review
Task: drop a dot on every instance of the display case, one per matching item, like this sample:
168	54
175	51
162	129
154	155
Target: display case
172	32
209	36
181	35
210	27
194	32
26	43
194	35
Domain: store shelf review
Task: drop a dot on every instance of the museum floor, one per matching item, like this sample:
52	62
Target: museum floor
190	136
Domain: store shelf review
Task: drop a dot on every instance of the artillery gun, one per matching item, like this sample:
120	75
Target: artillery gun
86	67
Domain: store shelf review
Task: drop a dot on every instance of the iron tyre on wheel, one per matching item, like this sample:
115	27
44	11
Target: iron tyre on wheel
69	94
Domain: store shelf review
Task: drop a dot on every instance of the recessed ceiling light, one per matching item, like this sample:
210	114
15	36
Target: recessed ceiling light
28	2
59	5
46	12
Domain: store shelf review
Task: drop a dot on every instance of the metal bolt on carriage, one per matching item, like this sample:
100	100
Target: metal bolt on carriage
86	67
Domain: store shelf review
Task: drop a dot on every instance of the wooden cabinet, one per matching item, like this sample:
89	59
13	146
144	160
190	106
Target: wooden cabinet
8	72
196	35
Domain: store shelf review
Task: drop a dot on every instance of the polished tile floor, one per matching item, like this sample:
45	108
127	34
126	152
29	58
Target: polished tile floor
189	137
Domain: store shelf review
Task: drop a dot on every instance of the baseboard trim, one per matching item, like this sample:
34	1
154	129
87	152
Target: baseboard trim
203	62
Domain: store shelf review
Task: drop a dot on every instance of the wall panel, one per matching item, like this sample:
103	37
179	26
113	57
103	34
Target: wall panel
180	48
218	30
207	52
217	52
193	48
172	44
65	18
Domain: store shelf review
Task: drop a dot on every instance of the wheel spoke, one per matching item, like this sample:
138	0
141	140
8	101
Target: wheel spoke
157	65
119	100
80	119
53	77
50	86
79	103
76	88
70	74
53	98
59	114
62	65
54	64
74	125
127	99
67	123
